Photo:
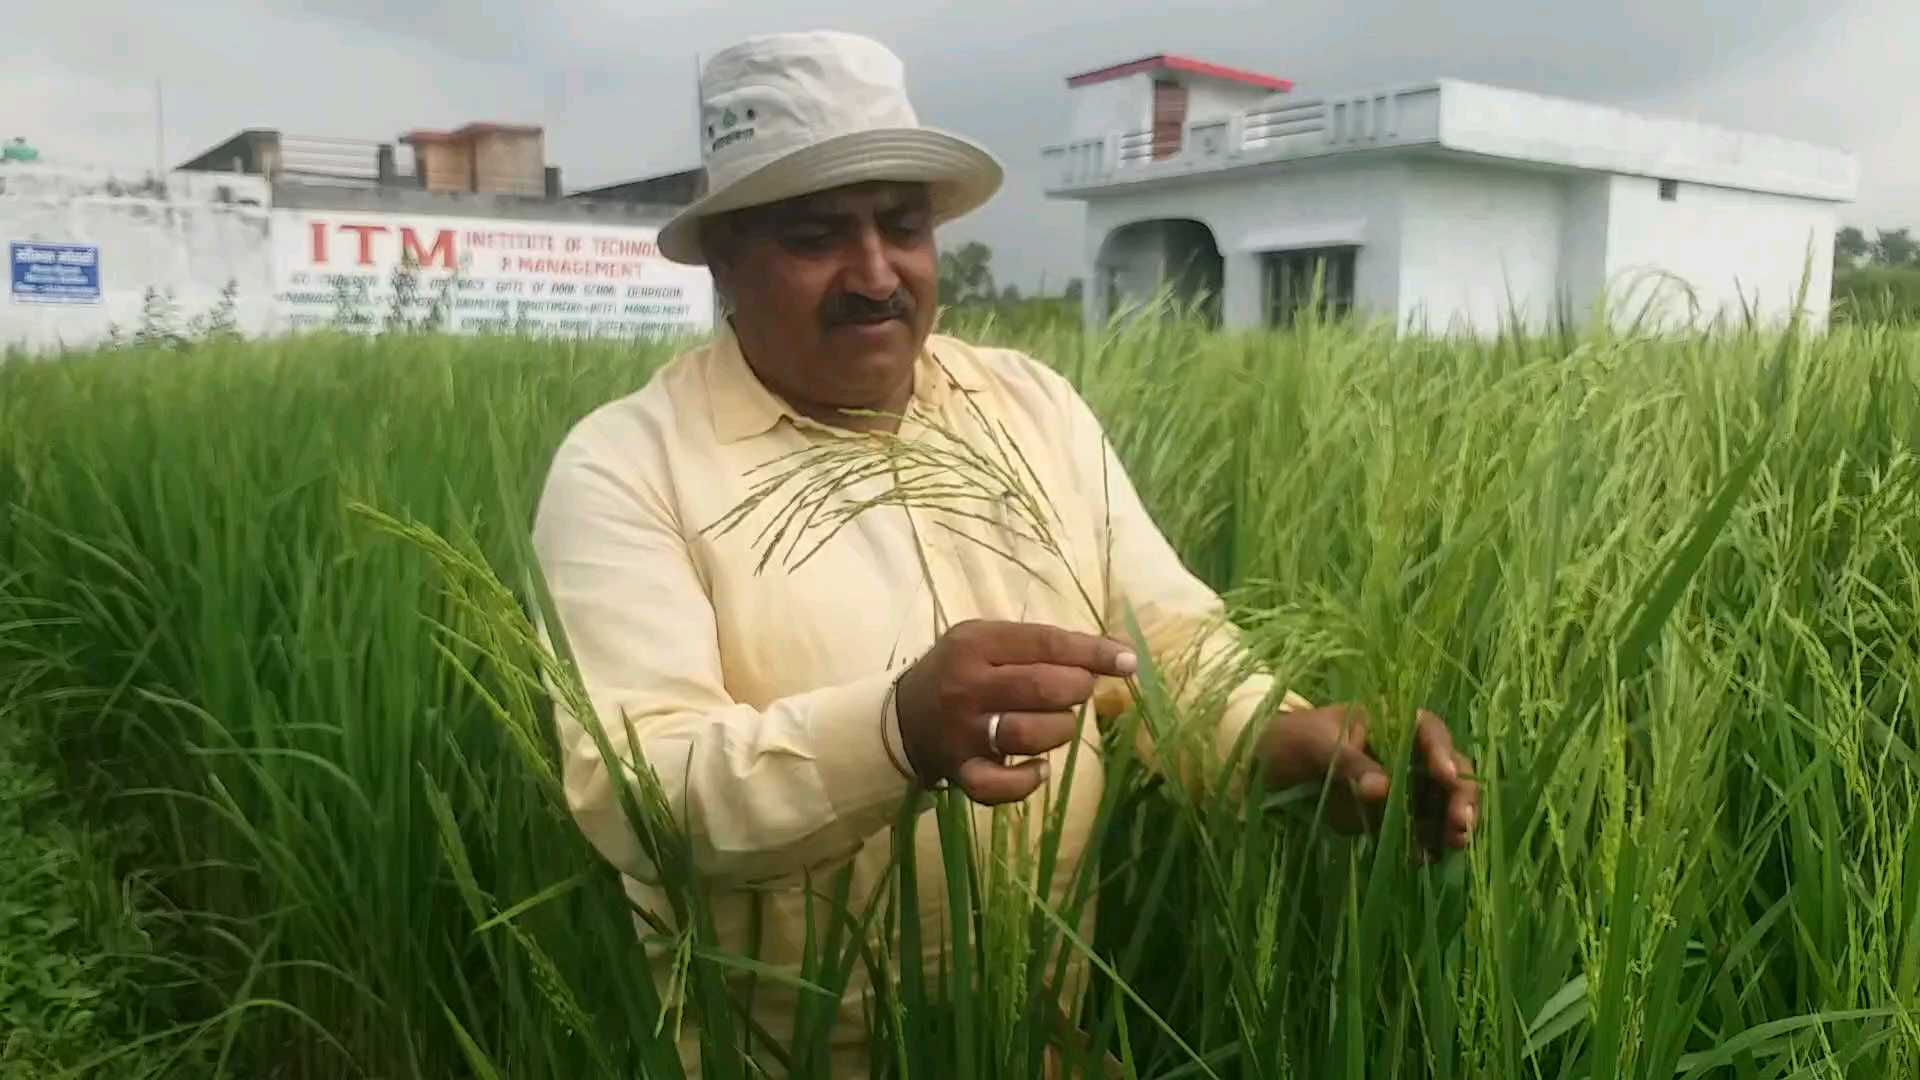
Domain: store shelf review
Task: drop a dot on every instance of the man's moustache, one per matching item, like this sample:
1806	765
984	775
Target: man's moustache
846	308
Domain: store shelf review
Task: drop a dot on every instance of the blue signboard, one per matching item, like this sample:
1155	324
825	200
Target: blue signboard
55	273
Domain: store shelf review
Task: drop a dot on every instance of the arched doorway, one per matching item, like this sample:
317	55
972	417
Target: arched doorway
1138	260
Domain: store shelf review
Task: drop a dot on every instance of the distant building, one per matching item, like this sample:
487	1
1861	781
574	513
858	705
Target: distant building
478	159
465	230
675	189
505	159
1443	204
256	152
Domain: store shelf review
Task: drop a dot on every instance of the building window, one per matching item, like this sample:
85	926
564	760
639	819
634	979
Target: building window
1289	282
1669	190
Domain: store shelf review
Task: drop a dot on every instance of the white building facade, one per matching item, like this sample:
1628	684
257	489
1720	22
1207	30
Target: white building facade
1444	206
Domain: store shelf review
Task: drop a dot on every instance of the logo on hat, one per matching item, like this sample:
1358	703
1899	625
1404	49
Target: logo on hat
727	122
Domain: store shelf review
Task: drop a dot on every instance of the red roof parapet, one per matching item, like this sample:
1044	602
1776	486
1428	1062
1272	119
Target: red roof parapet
1171	62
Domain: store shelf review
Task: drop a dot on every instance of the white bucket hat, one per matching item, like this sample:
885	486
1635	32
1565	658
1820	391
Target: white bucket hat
784	115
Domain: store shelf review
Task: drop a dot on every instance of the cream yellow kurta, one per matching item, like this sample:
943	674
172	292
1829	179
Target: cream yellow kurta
760	698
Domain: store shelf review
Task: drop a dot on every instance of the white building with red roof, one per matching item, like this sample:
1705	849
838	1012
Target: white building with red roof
1445	205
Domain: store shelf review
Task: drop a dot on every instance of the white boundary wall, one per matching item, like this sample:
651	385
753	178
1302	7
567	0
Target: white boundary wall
191	233
559	268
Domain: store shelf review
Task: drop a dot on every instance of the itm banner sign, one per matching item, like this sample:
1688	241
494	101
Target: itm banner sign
490	275
55	273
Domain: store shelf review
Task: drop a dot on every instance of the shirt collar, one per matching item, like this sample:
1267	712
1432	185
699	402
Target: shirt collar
743	407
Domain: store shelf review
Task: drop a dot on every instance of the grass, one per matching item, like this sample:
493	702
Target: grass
78	954
264	598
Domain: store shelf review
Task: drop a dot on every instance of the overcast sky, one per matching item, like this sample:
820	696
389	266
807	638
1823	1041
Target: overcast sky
612	80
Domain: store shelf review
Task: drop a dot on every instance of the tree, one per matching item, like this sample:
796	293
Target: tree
965	274
1075	289
1850	248
1010	294
1895	247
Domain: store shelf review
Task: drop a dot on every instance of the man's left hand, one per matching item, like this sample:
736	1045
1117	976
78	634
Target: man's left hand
1302	747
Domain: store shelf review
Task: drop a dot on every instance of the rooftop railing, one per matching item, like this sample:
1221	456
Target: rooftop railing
1280	130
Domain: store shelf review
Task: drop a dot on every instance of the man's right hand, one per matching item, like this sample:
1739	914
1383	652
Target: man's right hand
1031	675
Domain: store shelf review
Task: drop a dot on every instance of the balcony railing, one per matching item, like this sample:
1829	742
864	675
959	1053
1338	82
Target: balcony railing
1292	129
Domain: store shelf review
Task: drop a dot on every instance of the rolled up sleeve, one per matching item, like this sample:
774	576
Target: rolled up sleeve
762	792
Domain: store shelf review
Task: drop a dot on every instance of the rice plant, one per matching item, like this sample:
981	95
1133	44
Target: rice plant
275	600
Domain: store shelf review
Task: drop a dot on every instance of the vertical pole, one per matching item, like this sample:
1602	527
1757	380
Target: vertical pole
699	84
159	134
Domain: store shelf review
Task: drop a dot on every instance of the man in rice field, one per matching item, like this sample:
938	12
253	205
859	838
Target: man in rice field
937	639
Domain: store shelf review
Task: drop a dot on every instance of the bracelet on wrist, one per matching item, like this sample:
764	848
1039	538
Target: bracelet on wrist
890	731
